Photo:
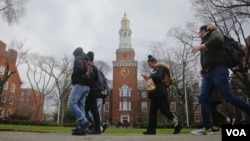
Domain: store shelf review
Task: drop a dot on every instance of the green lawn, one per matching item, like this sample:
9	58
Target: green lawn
109	130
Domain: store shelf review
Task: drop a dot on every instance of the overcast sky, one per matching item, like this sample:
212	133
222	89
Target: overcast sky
57	27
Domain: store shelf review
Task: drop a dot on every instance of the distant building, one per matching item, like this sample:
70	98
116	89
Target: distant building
11	89
14	99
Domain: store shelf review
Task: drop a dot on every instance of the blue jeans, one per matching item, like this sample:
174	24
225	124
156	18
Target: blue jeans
76	102
218	78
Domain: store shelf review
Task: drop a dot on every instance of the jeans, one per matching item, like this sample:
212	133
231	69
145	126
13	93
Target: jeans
218	78
76	102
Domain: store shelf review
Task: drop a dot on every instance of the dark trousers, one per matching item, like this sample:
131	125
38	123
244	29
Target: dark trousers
216	114
91	105
162	104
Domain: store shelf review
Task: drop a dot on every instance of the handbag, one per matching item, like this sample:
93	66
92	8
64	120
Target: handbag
150	85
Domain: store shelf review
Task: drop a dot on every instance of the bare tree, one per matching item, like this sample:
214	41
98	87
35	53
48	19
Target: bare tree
61	73
12	10
103	66
230	16
38	77
22	50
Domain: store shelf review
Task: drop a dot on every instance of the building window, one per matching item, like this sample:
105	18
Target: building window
125	105
5	86
197	118
11	100
144	94
28	93
22	93
2	68
173	106
144	106
1	112
106	107
9	112
125	91
195	100
3	99
196	108
13	88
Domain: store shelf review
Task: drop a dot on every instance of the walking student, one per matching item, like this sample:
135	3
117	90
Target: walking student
158	99
91	102
79	92
215	74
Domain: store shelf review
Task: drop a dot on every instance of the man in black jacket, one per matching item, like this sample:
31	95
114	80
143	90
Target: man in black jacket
79	91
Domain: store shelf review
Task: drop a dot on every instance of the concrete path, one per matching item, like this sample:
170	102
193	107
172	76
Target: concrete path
33	136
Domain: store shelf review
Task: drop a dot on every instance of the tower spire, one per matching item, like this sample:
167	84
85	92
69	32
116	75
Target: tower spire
125	33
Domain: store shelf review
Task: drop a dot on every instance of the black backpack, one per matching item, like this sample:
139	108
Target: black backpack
232	52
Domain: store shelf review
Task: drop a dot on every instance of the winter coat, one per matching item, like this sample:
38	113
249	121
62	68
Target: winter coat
212	54
79	70
160	89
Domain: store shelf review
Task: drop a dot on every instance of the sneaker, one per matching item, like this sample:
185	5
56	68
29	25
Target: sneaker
84	126
177	129
78	131
104	127
202	132
149	133
215	130
95	132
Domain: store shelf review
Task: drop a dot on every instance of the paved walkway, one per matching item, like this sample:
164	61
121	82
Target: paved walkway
33	136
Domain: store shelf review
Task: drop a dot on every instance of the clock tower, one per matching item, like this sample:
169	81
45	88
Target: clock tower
124	78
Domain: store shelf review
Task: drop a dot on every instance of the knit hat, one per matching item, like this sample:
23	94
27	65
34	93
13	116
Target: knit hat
204	27
90	54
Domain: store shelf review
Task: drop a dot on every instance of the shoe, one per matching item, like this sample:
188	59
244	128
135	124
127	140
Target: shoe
84	126
95	132
149	133
202	132
104	127
78	131
215	130
177	129
91	126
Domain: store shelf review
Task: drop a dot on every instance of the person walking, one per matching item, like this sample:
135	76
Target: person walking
158	99
215	74
91	102
79	92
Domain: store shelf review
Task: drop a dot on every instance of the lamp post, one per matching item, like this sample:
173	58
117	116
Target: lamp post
185	93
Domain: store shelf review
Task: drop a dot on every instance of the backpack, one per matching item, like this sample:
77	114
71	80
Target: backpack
102	84
232	52
167	80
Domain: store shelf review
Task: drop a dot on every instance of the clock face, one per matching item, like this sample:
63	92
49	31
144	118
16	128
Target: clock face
124	71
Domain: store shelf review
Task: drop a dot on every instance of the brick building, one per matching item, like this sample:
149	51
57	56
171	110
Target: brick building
11	88
31	104
14	99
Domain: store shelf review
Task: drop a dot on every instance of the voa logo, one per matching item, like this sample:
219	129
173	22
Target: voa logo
236	132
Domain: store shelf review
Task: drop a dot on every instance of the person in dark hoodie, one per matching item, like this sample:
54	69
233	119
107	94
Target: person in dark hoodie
91	101
79	92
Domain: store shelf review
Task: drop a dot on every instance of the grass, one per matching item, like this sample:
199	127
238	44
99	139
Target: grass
57	129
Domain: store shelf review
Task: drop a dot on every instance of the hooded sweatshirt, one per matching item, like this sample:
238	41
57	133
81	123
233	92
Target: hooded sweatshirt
79	70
